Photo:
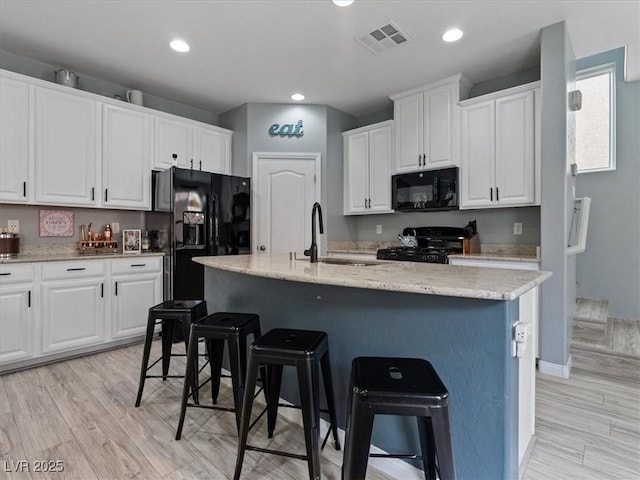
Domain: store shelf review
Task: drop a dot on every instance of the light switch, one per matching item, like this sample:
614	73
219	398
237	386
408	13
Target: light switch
517	228
13	226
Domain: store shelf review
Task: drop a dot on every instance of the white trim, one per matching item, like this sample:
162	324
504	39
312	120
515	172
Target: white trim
256	157
555	369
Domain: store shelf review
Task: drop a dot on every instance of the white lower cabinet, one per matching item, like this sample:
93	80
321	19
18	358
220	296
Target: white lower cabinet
137	285
73	310
17	329
54	309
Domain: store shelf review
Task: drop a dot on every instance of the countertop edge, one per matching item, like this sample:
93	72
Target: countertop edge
74	257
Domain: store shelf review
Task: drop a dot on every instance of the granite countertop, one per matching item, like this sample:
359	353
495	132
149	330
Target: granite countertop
504	257
423	278
67	256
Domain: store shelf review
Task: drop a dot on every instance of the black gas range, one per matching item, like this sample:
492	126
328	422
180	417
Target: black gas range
434	244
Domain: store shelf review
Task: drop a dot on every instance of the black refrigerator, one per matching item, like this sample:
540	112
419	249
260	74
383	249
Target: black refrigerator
197	214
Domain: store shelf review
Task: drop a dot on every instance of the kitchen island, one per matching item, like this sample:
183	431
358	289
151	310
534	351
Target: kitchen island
459	318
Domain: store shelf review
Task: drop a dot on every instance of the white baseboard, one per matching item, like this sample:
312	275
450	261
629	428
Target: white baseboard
394	467
555	369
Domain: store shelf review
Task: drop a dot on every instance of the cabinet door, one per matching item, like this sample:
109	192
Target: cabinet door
133	295
126	158
439	127
478	153
16	323
66	151
212	151
515	155
408	117
14	141
356	172
172	137
380	155
72	314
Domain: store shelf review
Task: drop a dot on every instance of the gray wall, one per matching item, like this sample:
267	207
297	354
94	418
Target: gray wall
507	81
609	268
29	218
236	120
557	293
45	71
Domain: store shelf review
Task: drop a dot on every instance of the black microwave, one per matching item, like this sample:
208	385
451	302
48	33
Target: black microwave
425	191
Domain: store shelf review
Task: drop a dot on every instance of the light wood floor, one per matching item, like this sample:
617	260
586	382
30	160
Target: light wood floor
81	412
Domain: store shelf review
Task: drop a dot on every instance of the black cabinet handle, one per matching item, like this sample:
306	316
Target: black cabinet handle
138	264
200	165
75	269
192	164
497	195
24	189
491	193
93	193
369	203
175	157
29	299
102	290
116	289
419	159
106	194
3	274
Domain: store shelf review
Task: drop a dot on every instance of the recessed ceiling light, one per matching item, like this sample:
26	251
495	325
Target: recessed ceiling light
180	46
298	97
342	3
452	35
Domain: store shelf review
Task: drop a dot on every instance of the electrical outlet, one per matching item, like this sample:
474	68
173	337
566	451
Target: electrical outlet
517	228
115	228
379	229
13	226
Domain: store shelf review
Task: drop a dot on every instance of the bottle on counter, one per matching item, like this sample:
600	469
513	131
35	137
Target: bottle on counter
145	241
107	232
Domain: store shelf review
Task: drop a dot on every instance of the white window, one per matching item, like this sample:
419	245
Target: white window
595	122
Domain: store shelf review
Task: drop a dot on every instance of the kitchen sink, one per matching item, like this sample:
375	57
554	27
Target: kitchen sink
348	261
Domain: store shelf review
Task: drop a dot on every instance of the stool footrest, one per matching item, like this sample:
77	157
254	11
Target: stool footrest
276	452
164	376
298	407
412	456
212	407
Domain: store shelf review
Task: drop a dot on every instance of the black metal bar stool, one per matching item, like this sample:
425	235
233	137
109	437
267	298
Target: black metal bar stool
308	351
398	386
216	329
168	313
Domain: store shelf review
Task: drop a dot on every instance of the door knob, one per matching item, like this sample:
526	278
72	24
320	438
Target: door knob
262	248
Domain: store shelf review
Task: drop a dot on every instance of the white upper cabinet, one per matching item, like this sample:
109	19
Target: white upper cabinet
426	125
15	183
212	151
126	158
173	143
500	152
66	148
368	153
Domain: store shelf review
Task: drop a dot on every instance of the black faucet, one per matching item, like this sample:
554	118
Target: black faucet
313	249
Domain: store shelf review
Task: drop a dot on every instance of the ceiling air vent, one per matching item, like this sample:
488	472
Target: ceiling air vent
383	38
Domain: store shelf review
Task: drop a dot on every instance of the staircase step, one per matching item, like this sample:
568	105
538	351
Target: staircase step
618	366
591	310
589	330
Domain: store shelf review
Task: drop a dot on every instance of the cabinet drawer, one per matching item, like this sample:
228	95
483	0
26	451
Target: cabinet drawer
79	269
16	273
136	265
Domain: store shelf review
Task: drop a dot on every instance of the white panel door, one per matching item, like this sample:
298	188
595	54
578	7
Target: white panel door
285	190
478	153
380	156
126	158
212	151
438	127
14	141
356	157
133	295
66	152
16	323
72	314
515	154
408	117
173	143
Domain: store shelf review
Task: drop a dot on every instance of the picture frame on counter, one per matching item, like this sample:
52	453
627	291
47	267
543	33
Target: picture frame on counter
131	240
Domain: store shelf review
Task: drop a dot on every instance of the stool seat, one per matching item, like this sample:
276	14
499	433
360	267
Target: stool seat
308	352
398	386
168	313
225	322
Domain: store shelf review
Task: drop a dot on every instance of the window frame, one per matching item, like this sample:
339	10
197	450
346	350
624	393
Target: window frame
590	72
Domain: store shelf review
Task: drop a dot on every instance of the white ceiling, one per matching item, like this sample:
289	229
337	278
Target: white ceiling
263	51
